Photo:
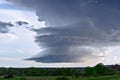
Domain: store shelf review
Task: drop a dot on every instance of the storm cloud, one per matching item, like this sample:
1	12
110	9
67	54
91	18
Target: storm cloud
77	29
21	23
4	27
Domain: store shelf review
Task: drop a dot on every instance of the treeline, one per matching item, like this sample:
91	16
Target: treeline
40	71
98	70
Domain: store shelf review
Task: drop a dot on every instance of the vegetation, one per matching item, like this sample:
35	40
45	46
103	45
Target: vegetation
98	72
110	77
8	76
62	78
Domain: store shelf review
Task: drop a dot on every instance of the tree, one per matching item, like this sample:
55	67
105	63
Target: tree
89	71
100	69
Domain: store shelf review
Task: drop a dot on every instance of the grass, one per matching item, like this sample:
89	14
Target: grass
112	77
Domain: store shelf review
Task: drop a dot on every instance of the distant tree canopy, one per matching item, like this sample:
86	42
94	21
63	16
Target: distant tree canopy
98	70
40	71
89	71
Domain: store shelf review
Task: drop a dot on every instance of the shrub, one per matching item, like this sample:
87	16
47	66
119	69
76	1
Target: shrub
89	71
23	78
62	78
8	76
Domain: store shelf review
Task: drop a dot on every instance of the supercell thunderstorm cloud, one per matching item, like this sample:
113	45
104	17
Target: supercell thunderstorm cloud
77	30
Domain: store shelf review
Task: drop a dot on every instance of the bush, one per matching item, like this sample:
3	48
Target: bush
101	70
62	78
89	71
23	78
8	76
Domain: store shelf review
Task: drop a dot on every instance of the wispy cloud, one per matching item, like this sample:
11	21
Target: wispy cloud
8	35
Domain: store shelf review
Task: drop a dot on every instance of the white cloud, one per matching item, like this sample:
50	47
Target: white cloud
111	55
8	35
9	15
18	43
19	39
4	2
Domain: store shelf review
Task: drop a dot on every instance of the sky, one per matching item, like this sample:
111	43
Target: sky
59	33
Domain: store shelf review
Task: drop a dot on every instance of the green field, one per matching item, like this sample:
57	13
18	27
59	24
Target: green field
113	77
